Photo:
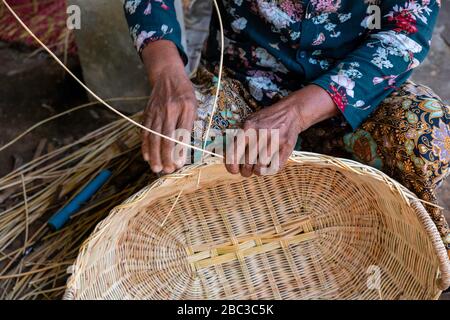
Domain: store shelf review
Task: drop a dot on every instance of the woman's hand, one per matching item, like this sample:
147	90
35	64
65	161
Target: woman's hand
172	105
285	120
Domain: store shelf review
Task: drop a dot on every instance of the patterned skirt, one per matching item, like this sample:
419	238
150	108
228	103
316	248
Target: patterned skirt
408	137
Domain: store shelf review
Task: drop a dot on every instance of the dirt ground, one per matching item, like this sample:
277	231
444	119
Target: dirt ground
33	87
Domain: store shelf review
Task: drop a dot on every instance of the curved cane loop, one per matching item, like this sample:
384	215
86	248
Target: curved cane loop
94	94
219	76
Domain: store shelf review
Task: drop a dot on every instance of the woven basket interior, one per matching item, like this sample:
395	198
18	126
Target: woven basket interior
313	231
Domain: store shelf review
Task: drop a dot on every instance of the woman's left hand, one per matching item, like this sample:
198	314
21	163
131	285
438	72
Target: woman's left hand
257	153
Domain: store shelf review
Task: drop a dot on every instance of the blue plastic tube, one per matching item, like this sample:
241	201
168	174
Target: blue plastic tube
59	219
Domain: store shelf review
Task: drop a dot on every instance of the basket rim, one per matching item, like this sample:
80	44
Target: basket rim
176	179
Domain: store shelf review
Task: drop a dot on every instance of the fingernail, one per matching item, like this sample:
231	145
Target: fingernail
169	169
157	168
180	163
146	157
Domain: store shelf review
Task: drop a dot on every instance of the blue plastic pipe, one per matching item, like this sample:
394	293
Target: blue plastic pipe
59	219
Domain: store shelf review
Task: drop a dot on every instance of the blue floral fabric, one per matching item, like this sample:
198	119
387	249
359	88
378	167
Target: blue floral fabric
153	20
277	46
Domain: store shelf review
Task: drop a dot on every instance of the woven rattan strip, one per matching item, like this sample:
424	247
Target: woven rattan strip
204	256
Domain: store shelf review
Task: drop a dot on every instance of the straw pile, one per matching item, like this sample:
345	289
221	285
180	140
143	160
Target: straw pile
35	191
323	228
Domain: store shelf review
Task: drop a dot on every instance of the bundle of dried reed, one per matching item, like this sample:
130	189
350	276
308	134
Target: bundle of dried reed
33	192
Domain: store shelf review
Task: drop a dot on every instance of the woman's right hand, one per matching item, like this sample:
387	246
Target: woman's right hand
172	105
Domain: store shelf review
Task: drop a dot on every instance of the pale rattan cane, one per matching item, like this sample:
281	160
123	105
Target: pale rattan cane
323	228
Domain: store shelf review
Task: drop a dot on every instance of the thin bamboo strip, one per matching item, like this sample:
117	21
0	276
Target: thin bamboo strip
109	107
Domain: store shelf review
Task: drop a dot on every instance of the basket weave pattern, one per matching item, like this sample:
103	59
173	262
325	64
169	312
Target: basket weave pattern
317	230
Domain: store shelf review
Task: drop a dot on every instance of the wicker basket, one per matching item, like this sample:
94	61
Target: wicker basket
323	228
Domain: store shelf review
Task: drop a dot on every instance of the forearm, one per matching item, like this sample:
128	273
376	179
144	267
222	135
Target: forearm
314	105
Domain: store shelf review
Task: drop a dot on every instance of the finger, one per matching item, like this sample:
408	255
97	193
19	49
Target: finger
145	145
185	126
246	168
167	146
250	156
154	146
232	158
278	160
285	154
265	154
243	139
145	148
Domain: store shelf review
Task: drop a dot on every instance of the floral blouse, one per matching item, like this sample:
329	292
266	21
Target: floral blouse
277	46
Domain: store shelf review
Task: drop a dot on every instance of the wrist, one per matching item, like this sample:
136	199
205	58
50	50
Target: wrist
162	57
314	105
